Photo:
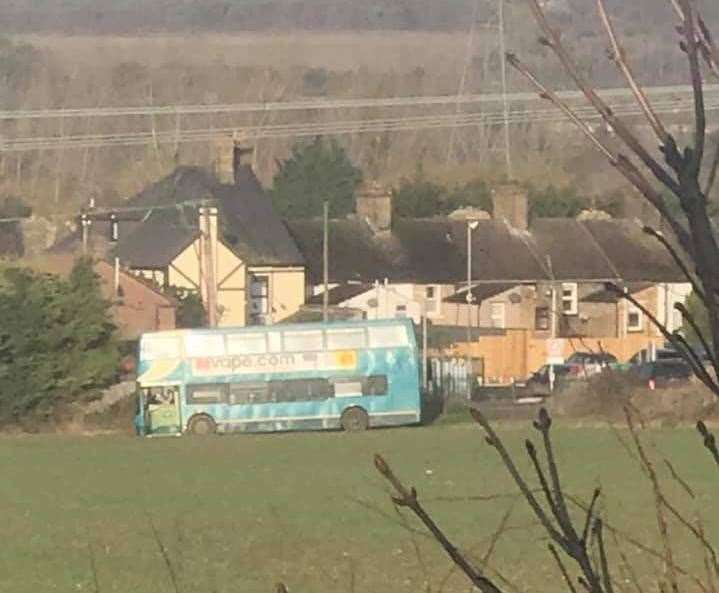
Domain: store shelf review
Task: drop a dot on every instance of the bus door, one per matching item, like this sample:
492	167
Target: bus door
162	410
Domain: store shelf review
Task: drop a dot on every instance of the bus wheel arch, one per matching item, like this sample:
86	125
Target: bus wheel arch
354	419
201	425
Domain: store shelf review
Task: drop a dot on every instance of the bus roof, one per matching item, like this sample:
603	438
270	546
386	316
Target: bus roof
407	322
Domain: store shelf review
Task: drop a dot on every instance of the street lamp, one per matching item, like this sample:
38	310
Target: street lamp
471	226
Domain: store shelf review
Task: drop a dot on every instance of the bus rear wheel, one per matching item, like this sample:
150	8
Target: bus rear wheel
201	425
354	420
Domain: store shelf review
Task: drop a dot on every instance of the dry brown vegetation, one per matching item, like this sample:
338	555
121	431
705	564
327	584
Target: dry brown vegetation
209	67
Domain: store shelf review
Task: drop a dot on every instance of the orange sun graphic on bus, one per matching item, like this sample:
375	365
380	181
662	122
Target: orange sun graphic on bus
347	359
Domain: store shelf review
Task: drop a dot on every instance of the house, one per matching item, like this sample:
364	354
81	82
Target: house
196	229
137	305
543	282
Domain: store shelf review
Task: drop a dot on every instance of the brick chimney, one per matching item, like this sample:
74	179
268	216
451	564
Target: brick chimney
374	205
510	203
230	156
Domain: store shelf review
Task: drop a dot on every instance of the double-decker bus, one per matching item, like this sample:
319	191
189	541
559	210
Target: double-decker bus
351	375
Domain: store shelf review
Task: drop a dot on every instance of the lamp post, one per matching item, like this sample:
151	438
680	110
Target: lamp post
471	226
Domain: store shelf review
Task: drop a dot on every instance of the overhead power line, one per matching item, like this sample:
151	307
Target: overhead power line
328	104
336	127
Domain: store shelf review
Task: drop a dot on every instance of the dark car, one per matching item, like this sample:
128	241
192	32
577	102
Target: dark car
661	374
538	384
603	359
643	356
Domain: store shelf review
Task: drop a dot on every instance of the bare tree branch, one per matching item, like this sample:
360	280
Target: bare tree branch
689	318
619	57
713	170
603	562
625	166
709	440
552	39
562	569
165	555
659	236
691	47
590	511
408	498
671	572
543	425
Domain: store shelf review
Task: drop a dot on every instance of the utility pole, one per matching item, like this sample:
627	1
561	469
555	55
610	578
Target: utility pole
325	261
505	103
208	218
471	225
425	357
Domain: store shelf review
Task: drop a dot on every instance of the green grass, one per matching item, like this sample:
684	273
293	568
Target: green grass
236	514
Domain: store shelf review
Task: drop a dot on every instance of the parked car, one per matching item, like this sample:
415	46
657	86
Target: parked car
644	355
538	384
661	374
590	363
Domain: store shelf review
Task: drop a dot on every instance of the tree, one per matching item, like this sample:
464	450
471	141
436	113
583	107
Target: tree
419	197
190	311
316	172
56	339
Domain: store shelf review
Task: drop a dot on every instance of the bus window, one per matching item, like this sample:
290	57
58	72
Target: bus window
301	390
155	348
249	393
350	387
206	394
303	341
387	336
274	342
246	344
201	345
375	385
345	339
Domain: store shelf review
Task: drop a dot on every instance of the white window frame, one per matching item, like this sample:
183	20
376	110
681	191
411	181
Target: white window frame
433	305
572	299
498	315
634	310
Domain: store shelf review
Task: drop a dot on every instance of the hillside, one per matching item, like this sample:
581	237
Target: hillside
112	60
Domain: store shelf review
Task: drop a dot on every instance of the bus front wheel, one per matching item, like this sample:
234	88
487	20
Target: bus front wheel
354	420
201	425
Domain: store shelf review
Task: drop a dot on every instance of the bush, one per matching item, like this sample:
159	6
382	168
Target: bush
57	342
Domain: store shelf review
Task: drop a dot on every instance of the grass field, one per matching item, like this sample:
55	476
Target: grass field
239	513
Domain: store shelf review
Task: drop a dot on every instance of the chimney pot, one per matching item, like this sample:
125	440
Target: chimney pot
374	204
510	203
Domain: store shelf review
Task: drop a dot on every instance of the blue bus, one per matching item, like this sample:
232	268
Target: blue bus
351	375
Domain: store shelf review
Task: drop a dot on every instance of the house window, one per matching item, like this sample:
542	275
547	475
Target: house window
569	298
400	311
497	315
541	318
635	318
432	297
259	299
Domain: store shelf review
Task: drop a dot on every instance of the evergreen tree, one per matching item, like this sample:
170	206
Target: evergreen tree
56	339
316	172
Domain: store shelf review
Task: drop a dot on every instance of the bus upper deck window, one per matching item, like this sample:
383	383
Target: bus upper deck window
387	336
246	344
341	339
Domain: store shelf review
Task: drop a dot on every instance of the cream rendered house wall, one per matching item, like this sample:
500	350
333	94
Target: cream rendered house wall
286	289
230	275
